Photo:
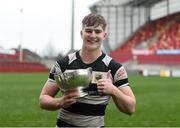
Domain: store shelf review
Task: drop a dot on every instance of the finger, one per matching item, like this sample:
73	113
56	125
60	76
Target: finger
99	84
101	90
101	81
71	91
69	103
71	95
100	87
74	96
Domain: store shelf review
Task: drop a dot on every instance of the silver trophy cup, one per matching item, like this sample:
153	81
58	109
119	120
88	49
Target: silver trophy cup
74	79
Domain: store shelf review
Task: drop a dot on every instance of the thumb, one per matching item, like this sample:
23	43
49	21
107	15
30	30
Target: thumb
109	76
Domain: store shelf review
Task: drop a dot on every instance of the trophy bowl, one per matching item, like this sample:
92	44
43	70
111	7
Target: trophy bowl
74	79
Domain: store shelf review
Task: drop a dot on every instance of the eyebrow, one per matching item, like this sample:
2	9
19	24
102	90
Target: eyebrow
91	30
95	29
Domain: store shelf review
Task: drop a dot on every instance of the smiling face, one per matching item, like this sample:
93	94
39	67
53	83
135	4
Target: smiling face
93	36
93	31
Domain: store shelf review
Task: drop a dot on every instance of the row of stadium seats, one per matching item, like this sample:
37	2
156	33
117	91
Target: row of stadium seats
159	59
9	57
27	56
158	27
22	67
163	33
30	62
170	38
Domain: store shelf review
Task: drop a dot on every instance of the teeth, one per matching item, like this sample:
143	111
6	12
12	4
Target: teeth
92	41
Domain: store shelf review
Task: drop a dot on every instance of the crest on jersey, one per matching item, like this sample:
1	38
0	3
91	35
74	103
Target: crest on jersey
120	74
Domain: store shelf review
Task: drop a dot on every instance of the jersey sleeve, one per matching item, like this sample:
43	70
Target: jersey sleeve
58	68
120	77
55	70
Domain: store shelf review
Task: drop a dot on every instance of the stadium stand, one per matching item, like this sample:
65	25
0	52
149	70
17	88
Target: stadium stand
159	59
22	67
140	29
163	33
30	62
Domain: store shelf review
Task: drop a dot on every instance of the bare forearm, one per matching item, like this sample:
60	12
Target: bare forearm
49	103
124	102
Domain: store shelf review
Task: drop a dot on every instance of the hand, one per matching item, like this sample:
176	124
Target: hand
69	98
105	85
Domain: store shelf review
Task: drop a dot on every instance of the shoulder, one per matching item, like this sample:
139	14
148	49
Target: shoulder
66	60
111	63
61	65
118	72
68	57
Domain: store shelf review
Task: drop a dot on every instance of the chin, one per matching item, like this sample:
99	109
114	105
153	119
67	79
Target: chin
92	48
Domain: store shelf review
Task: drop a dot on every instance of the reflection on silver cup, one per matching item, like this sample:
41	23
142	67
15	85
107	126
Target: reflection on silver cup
74	79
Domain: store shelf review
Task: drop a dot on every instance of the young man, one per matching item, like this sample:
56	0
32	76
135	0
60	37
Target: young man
89	111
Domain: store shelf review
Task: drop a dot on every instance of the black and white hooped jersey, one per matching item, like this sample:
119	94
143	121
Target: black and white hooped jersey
89	110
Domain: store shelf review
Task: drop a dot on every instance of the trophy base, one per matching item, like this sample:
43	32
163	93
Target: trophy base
81	92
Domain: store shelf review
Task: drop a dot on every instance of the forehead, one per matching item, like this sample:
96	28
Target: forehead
99	27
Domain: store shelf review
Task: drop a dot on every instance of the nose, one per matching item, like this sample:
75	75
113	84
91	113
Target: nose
93	34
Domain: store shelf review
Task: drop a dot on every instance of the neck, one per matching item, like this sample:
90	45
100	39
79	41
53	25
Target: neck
89	56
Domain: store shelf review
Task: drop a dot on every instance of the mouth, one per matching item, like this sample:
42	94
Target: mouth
92	40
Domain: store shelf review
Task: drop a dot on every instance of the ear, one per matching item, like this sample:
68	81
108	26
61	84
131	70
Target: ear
81	33
105	35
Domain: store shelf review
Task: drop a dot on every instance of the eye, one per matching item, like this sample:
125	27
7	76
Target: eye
88	30
97	31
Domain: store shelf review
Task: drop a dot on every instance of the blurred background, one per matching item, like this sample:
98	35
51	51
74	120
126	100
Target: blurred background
143	35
